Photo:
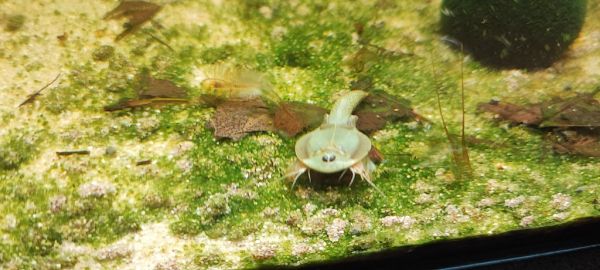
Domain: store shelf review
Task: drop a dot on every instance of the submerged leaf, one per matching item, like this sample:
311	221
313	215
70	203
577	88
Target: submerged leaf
152	92
379	108
299	116
581	110
143	102
584	143
375	155
573	121
507	111
138	12
236	118
151	87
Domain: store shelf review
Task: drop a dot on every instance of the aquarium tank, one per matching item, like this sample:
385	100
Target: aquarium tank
230	134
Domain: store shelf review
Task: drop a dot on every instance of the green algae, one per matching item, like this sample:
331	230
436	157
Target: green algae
231	191
513	34
103	53
14	152
15	22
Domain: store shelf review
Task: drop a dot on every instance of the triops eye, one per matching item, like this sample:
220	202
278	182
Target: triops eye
328	158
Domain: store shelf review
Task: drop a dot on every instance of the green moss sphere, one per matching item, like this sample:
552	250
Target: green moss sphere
514	33
15	22
103	53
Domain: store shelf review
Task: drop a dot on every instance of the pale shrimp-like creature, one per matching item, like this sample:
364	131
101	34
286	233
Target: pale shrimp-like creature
230	82
336	145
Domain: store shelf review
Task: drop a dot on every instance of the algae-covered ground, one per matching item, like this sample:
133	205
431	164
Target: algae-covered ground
213	203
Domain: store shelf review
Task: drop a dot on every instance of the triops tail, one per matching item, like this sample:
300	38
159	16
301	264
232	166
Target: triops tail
343	107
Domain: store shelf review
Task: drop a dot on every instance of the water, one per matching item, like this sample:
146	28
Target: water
195	201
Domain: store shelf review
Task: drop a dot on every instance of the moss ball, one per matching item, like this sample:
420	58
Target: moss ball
103	53
110	150
15	22
510	34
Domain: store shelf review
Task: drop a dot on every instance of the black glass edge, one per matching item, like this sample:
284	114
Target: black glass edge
475	251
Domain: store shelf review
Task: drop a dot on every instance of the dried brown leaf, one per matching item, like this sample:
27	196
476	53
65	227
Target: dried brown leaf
143	102
571	118
581	110
521	114
578	144
364	84
379	108
152	92
299	116
375	155
236	118
138	12
151	87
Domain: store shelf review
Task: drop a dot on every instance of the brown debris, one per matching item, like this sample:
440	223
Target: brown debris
143	102
364	84
588	147
379	108
579	111
575	141
375	155
159	41
152	92
63	37
526	114
31	98
236	118
151	87
299	116
143	162
138	12
76	152
294	117
572	121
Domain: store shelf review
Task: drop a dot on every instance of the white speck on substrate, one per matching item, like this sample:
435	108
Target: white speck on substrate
267	12
113	252
309	208
526	221
485	202
56	203
512	203
454	215
560	201
405	221
560	216
181	148
10	222
314	225
185	165
96	189
336	229
301	249
264	251
330	211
